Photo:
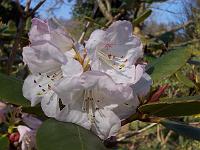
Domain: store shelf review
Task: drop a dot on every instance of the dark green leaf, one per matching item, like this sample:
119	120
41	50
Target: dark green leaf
11	91
141	18
173	107
167	37
60	135
183	79
194	61
4	143
154	1
168	64
28	24
37	110
182	129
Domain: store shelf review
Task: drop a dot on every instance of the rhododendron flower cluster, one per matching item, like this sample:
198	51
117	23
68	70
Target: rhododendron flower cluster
95	86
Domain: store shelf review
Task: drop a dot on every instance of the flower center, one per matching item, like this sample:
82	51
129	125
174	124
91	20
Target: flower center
83	60
90	104
46	82
117	63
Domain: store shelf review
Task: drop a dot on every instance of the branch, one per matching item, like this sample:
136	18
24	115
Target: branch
28	3
174	29
104	11
108	5
19	7
24	15
35	8
115	18
185	43
13	52
130	134
87	25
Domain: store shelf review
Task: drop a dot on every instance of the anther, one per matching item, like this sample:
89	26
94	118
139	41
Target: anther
49	87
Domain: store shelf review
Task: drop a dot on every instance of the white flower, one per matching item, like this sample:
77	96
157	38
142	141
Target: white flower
28	134
96	91
91	98
115	52
48	50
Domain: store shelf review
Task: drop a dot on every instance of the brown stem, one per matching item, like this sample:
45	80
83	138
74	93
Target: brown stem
104	11
16	44
35	8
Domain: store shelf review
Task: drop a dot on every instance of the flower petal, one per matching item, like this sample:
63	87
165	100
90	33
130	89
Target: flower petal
69	90
42	57
95	38
23	130
69	71
51	108
36	86
106	124
31	121
31	90
39	30
105	91
142	87
61	39
128	108
130	75
115	51
79	118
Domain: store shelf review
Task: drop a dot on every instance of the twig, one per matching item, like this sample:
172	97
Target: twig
167	137
128	135
24	15
115	17
108	5
13	52
174	29
19	7
27	8
185	43
158	133
104	11
87	25
84	32
36	8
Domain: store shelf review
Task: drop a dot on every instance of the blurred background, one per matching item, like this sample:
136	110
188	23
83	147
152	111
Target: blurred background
162	25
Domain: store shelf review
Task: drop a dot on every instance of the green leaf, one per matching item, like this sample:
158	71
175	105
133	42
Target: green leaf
167	37
28	24
168	64
183	79
11	91
183	106
4	143
154	1
141	18
194	61
182	129
61	135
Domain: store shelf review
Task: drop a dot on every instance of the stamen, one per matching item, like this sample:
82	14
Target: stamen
61	105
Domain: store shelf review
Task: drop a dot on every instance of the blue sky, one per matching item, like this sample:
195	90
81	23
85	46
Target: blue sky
63	11
167	12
